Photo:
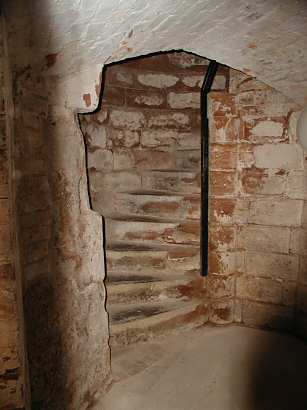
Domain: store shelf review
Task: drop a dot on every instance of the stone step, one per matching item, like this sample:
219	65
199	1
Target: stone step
182	287
138	257
143	322
187	232
158	204
184	181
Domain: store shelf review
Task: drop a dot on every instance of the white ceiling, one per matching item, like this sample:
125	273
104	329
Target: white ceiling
266	38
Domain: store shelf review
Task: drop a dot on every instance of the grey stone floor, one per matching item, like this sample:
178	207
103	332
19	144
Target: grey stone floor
231	368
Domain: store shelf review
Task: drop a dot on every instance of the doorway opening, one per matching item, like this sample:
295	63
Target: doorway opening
144	162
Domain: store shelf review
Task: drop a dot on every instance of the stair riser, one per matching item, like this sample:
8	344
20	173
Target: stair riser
148	292
152	232
173	207
152	262
183	321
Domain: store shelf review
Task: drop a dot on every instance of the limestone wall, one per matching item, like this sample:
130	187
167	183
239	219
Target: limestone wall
257	179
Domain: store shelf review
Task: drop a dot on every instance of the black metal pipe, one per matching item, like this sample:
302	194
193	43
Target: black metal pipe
204	239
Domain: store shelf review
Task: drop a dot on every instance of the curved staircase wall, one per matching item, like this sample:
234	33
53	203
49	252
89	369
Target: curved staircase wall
143	148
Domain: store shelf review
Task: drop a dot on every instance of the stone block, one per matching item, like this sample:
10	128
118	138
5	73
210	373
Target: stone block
95	136
221	312
220	286
295	240
119	76
100	160
264	238
123	159
259	289
267	315
132	120
222	237
153	232
156	138
272	265
229	210
261	131
152	138
271	211
172	120
259	181
225	263
122	138
297	184
193	81
117	181
157	80
188	159
246	157
184	100
154	159
280	156
184	181
145	99
219	82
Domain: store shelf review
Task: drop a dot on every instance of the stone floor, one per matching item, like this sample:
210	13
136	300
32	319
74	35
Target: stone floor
229	368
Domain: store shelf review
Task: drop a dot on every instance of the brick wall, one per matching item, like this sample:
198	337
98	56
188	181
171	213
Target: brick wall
256	204
11	360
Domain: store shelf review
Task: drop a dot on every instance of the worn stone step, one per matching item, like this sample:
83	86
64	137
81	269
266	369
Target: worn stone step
126	276
149	203
154	290
144	322
187	232
184	181
149	259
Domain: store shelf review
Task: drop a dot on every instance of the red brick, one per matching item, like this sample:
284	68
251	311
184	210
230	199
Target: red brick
222	183
221	238
223	156
221	104
225	129
113	96
119	75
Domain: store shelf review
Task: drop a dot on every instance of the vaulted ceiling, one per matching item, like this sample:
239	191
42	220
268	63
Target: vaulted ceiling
265	38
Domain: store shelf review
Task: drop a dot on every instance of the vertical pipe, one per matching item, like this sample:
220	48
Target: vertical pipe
204	239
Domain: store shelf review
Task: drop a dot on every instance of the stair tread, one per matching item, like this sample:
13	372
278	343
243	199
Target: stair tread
162	193
123	314
142	246
147	218
126	278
